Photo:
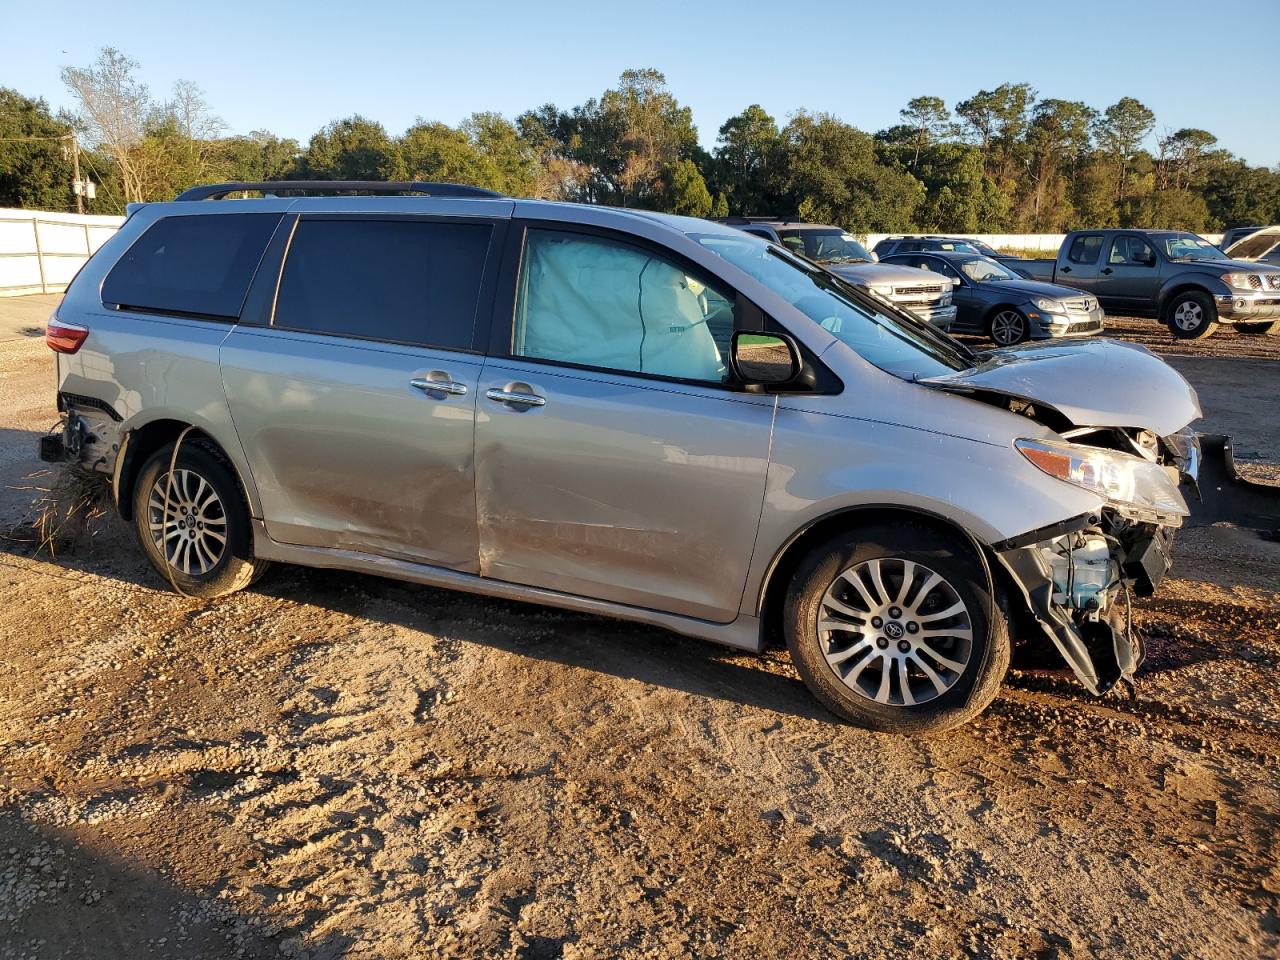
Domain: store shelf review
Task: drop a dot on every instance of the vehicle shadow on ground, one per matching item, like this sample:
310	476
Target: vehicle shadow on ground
66	899
629	651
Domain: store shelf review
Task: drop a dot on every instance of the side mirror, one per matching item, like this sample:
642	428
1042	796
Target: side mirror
764	359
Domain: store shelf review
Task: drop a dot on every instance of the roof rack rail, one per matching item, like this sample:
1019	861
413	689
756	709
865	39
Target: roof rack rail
277	188
740	219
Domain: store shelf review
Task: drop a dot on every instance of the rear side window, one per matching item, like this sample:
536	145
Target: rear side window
200	265
404	281
1085	249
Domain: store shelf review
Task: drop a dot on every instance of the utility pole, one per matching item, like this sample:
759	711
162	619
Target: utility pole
75	166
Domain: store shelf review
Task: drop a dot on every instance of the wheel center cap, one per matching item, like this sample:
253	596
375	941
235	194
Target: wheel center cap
893	630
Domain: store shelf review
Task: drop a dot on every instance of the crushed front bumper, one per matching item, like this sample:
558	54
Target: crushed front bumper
1096	642
1073	576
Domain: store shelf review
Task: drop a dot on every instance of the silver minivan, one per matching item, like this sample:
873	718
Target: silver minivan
643	416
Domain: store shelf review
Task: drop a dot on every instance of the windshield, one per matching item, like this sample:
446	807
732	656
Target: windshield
899	345
983	270
984	248
1254	246
825	246
1187	246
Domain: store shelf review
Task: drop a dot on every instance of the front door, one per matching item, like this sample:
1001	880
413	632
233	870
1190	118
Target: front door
614	457
356	404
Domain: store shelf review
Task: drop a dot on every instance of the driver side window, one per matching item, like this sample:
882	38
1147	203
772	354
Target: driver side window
603	303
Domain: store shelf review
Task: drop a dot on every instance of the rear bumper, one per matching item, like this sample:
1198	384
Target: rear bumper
1257	305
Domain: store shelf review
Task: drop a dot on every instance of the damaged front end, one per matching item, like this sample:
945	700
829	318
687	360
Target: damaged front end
1078	577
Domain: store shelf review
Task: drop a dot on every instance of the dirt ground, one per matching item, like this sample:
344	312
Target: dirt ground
332	765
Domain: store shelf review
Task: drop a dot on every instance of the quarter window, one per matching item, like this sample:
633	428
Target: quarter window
405	281
600	303
199	265
1085	249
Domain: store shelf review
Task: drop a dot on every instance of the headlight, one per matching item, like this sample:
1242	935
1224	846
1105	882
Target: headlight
1121	478
1239	281
945	300
882	290
1049	306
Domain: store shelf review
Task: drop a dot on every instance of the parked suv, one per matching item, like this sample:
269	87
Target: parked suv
842	254
642	416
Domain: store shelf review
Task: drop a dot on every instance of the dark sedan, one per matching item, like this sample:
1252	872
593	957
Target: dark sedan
992	299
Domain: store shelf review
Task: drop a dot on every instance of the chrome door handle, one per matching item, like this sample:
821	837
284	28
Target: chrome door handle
520	399
442	386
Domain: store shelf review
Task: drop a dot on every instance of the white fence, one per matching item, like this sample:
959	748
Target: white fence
1046	243
40	252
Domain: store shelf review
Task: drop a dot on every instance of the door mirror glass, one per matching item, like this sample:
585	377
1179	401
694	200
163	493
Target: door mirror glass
764	358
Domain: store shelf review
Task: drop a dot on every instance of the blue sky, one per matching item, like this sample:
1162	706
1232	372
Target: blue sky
290	68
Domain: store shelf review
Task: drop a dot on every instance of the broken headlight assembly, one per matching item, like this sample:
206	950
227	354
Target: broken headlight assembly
1134	486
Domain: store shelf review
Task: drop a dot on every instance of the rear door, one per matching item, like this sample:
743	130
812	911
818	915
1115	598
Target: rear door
1078	263
355	398
1128	280
615	459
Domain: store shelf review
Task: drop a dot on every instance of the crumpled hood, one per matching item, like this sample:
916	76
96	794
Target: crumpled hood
1093	383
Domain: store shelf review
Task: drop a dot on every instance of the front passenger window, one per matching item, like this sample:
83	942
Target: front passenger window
600	303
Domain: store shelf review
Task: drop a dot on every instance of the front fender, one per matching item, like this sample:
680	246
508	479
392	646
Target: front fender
824	464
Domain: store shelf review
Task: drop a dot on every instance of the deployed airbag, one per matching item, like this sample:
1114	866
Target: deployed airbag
602	304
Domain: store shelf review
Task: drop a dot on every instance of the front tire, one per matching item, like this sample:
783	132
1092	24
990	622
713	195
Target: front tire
1007	326
1191	315
1269	328
894	628
202	543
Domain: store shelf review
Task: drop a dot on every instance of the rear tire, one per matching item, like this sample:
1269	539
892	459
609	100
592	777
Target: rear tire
1269	328
207	542
905	668
1191	315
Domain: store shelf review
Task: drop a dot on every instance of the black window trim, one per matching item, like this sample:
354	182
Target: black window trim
191	314
746	315
484	299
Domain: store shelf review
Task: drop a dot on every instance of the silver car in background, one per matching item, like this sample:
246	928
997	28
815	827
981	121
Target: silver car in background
928	297
642	416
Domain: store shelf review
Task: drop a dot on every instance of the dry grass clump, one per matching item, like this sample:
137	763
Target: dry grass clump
70	509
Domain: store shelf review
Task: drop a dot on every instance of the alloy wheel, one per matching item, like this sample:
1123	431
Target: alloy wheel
895	632
192	534
1189	315
1008	327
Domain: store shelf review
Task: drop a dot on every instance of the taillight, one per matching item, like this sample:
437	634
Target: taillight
65	337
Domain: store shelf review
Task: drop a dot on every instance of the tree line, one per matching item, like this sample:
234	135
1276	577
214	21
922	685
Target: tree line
1001	161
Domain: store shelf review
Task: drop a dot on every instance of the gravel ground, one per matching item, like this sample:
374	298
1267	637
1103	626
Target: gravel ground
334	766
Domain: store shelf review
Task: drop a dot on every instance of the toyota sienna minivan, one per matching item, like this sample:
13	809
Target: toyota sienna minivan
637	415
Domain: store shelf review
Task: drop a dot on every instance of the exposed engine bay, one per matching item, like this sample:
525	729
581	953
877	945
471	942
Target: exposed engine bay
1079	577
